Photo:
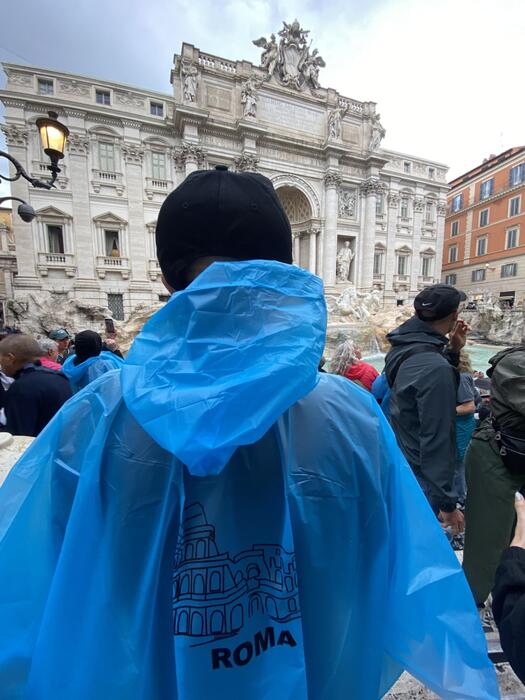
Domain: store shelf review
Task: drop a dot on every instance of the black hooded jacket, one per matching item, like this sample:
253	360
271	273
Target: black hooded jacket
423	405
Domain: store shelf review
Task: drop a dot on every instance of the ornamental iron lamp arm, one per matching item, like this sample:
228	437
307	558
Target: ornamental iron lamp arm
53	136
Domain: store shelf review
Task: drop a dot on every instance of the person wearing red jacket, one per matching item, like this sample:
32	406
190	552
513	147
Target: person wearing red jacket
347	362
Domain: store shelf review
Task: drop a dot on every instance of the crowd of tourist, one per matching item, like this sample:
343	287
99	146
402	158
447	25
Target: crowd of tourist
39	374
224	380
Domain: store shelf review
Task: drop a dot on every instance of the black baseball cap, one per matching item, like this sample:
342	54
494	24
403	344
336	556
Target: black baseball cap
438	301
224	214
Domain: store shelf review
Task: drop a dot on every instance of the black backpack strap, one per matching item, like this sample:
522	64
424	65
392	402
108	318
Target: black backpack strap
411	351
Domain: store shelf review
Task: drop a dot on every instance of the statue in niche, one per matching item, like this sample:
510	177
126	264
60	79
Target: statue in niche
343	262
249	97
335	118
378	133
189	82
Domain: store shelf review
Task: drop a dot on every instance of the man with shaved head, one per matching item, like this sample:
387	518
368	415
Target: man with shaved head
37	393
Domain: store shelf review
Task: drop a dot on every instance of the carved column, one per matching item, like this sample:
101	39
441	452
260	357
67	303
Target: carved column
369	189
441	213
332	182
419	207
390	262
16	138
133	155
312	251
85	248
246	162
193	157
296	248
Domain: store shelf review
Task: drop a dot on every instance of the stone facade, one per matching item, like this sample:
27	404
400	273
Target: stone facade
93	238
484	246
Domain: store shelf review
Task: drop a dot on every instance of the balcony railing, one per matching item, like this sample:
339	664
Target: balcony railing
154	269
110	263
57	261
107	179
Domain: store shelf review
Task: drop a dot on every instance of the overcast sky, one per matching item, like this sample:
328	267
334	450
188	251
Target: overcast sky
446	74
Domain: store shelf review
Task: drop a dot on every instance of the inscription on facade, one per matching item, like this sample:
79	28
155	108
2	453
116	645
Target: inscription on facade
292	116
218	98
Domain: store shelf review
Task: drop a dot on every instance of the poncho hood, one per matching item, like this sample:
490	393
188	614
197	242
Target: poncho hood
218	365
78	374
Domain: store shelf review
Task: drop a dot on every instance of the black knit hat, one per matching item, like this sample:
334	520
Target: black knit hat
223	214
87	344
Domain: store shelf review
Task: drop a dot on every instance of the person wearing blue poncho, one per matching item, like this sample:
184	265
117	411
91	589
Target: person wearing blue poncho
217	520
89	361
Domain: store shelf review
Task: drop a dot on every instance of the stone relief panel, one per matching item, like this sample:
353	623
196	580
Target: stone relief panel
73	87
218	98
347	203
130	99
18	78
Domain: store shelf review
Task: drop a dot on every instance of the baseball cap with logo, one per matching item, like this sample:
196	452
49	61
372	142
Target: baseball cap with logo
218	213
438	301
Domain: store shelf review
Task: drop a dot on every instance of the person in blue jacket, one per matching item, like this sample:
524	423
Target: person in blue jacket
89	361
219	519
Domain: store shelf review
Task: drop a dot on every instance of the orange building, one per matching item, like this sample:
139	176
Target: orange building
484	246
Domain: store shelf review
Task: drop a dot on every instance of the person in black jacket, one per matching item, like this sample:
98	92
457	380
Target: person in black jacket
36	394
420	369
508	596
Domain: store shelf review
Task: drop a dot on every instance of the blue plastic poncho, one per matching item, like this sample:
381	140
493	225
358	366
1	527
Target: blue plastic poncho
94	367
281	563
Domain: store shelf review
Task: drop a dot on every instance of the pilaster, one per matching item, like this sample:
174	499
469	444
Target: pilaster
332	182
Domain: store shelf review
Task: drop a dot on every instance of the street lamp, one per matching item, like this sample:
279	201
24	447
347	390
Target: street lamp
53	136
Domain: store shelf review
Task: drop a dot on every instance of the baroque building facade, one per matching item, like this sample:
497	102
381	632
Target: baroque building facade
484	247
360	215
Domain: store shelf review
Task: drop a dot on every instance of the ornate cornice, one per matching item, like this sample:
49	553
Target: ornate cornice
333	179
247	162
10	102
132	153
419	204
78	144
132	123
15	135
372	186
78	113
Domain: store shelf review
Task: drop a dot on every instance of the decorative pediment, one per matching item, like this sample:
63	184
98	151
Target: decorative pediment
52	213
428	251
404	249
109	218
